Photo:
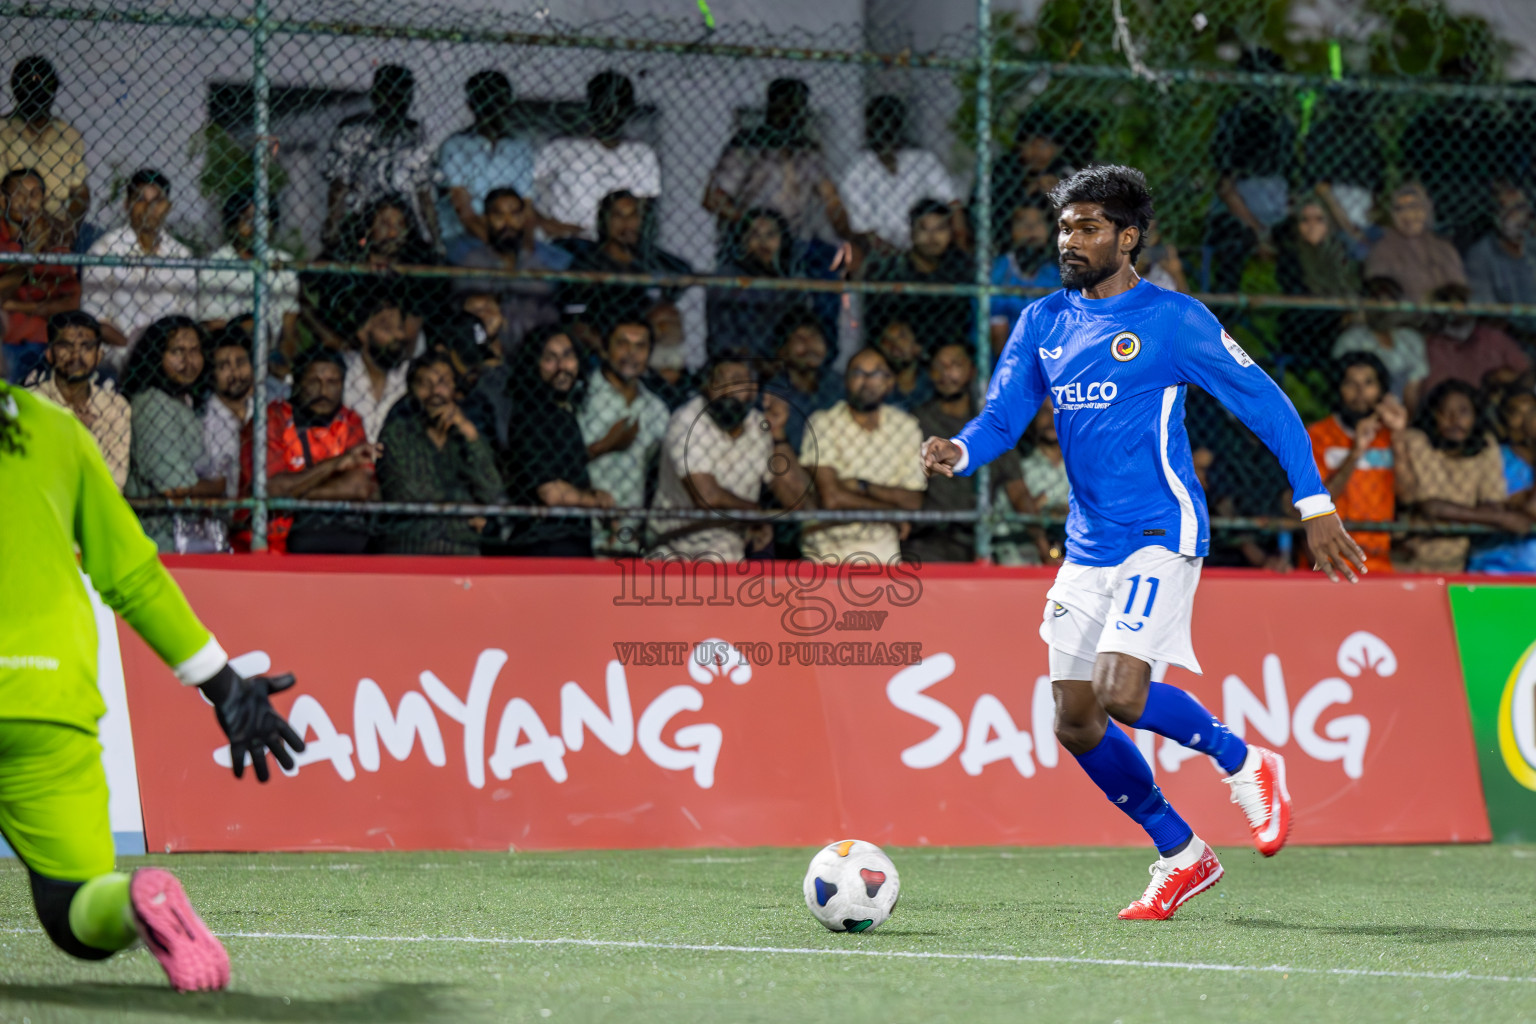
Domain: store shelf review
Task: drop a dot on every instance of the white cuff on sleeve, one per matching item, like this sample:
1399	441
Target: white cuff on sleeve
965	455
1314	506
203	665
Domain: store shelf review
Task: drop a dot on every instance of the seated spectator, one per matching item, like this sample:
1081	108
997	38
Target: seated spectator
572	175
622	424
1030	262
952	373
668	376
803	380
888	176
128	299
1388	335
545	459
1313	260
1361	453
30	295
1501	265
433	453
719	453
759	245
619	251
227	410
1458	475
225	295
164	379
511	244
73	359
1410	253
317	450
31	137
1159	262
381	153
1035	485
492	153
1469	349
1517	428
863	454
376	362
1027	172
384	239
933	259
905	356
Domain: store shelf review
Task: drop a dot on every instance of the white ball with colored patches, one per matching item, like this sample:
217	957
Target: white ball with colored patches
851	886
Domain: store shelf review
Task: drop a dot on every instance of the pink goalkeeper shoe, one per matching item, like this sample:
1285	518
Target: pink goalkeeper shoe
193	959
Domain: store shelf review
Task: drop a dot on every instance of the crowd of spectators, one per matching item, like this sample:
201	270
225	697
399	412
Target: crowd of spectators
478	388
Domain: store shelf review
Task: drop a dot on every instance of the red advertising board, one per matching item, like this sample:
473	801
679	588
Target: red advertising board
452	705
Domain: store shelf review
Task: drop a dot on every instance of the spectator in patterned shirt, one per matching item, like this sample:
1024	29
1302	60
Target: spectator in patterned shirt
380	153
493	153
30	295
572	175
74	357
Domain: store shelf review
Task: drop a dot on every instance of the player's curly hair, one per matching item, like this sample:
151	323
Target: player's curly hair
1121	191
11	431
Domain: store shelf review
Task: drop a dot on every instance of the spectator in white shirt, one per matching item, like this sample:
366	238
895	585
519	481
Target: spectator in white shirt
227	295
128	299
229	407
890	176
378	366
572	175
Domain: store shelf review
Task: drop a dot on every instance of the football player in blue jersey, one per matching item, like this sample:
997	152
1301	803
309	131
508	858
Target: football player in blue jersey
1114	353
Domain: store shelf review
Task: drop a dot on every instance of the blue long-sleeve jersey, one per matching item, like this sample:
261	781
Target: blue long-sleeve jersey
1115	369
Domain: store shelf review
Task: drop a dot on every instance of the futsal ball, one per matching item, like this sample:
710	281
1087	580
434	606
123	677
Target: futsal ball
851	886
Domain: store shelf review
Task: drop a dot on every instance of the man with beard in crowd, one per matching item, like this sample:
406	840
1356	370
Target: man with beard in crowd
493	151
898	343
933	259
229	407
1030	263
803	380
619	250
668	377
30	295
511	245
74	355
376	368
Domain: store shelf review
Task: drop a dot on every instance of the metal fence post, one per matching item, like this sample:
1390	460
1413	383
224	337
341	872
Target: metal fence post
262	264
982	240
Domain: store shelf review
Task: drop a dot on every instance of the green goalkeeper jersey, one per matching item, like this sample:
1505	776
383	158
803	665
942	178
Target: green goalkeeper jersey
57	496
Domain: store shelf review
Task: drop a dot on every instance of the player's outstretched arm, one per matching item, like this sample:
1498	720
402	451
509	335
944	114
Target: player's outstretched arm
1334	551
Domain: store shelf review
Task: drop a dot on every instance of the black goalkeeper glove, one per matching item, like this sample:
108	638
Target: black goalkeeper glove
249	720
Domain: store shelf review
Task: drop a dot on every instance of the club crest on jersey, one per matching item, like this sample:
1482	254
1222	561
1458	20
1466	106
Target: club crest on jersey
1125	346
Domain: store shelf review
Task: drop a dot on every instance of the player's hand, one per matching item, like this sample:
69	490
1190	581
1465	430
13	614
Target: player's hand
247	717
940	456
1334	551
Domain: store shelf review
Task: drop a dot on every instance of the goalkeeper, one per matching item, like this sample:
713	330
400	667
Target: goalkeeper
56	493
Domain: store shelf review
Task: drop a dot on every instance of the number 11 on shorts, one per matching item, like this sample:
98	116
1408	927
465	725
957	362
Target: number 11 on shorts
1130	601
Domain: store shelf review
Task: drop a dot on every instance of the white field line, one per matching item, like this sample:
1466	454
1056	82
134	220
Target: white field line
1170	965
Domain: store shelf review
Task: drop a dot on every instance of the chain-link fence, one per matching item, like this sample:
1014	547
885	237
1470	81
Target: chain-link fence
344	278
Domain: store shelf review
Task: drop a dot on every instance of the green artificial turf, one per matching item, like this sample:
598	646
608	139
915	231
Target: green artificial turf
1417	910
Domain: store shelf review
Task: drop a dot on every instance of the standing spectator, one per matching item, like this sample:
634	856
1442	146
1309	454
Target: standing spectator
620	218
1386	335
864	455
622	424
1030	262
905	356
164	377
1361	452
1517	422
1458	475
493	153
228	409
953	374
128	299
1313	260
227	295
1027	172
719	453
888	176
381	153
1501	265
1037	485
376	368
1253	151
1344	163
433	453
668	376
545	460
572	175
780	166
74	357
1410	253
1468	349
317	450
31	137
933	259
511	245
30	295
758	245
803	379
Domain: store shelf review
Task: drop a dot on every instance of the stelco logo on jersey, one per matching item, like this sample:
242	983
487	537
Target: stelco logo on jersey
1078	395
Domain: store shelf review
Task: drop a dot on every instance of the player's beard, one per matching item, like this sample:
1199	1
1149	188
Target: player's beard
1081	277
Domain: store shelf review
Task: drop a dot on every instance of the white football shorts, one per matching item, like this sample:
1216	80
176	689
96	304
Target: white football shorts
1141	607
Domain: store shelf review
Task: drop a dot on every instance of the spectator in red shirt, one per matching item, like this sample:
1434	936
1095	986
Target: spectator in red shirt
1472	350
30	295
317	449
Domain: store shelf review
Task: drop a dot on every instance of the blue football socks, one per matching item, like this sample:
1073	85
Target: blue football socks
1173	713
1118	768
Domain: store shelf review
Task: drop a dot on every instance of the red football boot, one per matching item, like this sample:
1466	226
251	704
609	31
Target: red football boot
1171	887
1259	789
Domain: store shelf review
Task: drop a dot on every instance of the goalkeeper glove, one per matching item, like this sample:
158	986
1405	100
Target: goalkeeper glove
249	720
